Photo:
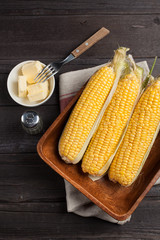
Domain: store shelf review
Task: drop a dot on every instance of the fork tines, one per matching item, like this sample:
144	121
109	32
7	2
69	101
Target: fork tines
46	73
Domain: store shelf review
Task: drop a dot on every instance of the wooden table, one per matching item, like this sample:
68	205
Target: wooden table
32	196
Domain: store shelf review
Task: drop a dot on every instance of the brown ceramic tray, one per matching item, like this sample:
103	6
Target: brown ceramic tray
119	202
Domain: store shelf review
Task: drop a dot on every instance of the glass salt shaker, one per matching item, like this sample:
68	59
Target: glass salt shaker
31	122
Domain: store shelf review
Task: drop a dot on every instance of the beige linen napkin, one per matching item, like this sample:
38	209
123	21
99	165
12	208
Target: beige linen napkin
70	83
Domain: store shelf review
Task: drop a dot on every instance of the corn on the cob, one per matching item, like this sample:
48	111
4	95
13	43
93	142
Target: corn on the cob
138	140
83	119
104	142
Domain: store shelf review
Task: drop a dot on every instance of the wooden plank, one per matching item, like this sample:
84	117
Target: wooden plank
25	225
13	139
35	207
54	36
49	7
55	205
21	159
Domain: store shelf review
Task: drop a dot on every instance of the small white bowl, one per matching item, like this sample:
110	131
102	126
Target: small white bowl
12	86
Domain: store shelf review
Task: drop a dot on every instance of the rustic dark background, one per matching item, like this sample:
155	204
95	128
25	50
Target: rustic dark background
32	196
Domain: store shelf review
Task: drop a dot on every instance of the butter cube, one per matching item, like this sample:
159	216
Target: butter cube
22	86
38	91
30	70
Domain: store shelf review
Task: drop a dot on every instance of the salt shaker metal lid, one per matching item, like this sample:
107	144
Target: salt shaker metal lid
31	122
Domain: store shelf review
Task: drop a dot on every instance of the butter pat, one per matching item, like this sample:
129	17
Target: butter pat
30	70
22	86
38	91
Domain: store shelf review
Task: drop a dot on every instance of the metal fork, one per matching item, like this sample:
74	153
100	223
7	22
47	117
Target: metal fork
52	68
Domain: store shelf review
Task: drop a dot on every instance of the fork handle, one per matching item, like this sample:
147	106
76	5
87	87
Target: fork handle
90	42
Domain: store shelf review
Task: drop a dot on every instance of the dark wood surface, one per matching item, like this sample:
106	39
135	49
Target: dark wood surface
32	196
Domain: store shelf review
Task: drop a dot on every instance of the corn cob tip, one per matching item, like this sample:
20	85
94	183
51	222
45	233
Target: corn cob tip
119	60
66	159
139	72
122	49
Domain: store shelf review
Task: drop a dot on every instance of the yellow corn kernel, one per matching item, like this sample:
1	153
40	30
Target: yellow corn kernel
85	112
141	130
104	142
